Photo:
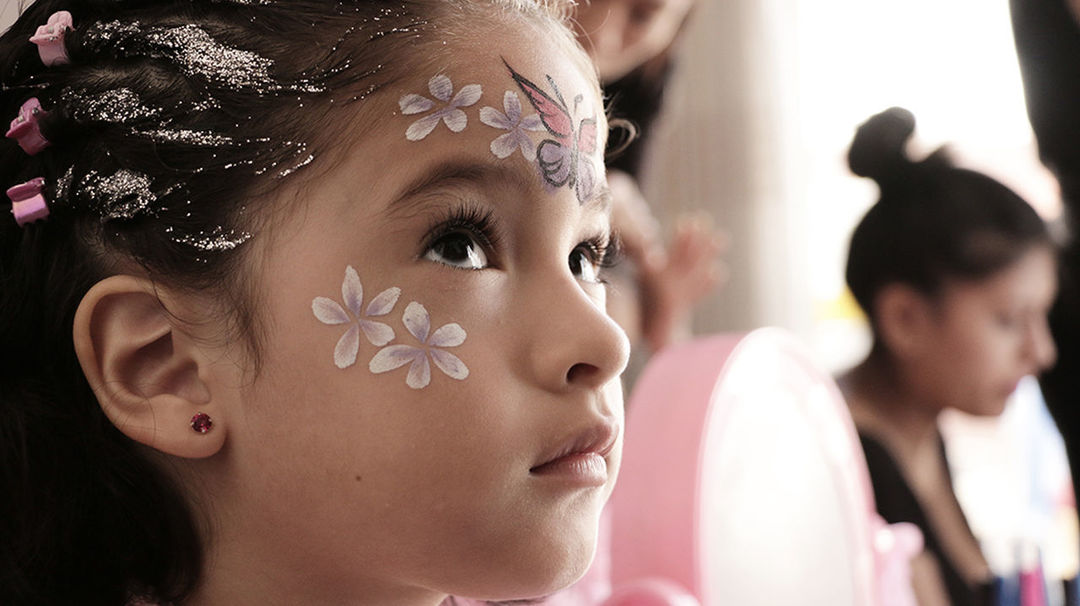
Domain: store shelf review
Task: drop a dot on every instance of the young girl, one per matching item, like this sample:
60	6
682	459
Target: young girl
956	274
300	303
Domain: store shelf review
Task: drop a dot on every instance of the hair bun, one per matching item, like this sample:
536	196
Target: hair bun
878	148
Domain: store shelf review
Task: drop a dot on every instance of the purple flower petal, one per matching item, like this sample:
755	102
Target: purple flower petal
504	145
417	320
533	123
495	118
414	104
450	335
456	120
328	311
394	356
347	347
352	292
525	144
384	302
422	127
467	96
419	373
449	364
377	333
512	105
441	88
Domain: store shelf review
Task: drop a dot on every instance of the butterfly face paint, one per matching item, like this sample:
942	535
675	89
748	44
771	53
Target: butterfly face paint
563	158
430	344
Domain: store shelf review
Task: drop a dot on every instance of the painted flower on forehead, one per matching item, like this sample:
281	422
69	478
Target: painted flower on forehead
512	121
443	90
418	323
330	312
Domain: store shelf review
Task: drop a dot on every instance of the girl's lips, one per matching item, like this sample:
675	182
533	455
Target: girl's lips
581	468
581	459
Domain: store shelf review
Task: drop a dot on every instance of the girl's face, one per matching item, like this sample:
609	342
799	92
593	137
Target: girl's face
438	408
989	334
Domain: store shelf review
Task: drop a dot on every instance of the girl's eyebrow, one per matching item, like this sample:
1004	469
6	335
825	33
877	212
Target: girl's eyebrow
481	175
600	198
458	173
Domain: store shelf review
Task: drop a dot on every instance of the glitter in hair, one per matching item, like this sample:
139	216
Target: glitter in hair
124	194
195	52
200	56
118	106
217	240
63	184
186	136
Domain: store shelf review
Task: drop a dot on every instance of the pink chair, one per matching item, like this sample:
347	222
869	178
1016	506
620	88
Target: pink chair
743	483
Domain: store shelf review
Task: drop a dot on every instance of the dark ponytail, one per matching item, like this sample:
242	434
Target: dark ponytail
933	222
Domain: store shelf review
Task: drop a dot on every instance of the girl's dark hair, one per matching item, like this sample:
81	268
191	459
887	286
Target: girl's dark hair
934	222
169	128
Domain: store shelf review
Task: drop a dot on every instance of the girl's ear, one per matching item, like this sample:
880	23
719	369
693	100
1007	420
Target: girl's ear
904	320
145	369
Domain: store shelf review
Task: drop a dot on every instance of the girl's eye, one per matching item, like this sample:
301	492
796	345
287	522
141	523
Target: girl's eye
457	249
585	264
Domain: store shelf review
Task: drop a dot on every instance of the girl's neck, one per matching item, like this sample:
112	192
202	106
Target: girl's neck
885	405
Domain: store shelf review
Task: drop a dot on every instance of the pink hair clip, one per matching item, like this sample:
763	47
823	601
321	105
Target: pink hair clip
49	39
25	128
27	201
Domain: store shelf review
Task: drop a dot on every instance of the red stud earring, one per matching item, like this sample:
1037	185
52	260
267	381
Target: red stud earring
201	422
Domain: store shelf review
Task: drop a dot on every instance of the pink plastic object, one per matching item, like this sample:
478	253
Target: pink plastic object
1032	586
25	128
651	592
743	481
27	202
49	39
894	546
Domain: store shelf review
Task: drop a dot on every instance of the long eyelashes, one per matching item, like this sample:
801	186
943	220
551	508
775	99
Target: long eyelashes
605	251
470	220
469	223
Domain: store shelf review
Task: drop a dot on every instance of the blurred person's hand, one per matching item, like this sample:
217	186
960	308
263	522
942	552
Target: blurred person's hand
675	282
672	279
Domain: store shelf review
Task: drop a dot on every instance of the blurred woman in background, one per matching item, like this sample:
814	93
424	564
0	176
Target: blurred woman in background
956	274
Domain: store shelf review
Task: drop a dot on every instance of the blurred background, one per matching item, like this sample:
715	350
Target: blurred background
765	98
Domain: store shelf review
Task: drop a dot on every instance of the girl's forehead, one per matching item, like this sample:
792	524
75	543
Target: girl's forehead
517	103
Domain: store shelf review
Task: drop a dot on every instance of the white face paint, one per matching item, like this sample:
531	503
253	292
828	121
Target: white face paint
565	157
331	312
429	344
449	113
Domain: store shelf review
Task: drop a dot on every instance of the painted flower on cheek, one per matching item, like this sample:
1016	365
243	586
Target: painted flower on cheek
512	121
443	90
418	323
330	312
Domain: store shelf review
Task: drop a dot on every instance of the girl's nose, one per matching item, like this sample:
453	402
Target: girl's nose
575	343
